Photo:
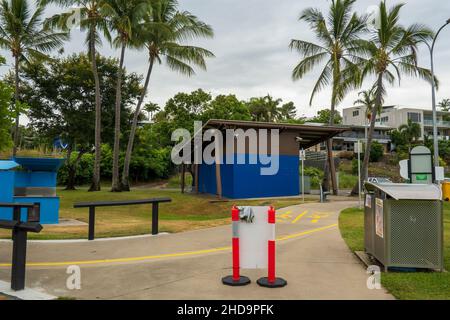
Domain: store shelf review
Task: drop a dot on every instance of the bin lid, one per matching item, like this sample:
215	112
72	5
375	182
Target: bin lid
406	191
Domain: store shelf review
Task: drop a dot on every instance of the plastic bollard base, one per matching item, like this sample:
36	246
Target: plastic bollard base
278	283
229	281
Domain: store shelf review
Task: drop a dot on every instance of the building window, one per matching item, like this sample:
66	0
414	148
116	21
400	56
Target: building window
356	113
383	120
415	117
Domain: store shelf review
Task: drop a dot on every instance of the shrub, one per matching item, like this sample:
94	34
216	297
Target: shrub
376	151
316	176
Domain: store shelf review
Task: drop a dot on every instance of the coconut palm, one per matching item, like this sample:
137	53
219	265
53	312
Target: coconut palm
336	34
163	35
444	105
151	108
22	33
366	100
287	111
411	130
390	52
123	17
92	18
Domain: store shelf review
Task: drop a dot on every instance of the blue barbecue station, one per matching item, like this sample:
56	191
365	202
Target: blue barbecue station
30	180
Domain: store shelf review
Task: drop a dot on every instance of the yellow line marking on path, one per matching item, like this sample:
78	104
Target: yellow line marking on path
160	256
316	216
293	236
299	217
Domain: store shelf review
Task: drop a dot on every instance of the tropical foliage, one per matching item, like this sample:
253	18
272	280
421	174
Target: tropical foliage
22	33
337	34
388	54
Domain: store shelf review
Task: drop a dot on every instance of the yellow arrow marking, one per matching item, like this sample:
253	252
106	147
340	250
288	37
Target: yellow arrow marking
160	256
299	217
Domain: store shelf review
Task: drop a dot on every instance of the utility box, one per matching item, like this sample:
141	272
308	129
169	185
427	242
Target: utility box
404	225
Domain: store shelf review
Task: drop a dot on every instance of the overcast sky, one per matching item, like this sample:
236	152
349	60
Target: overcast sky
253	59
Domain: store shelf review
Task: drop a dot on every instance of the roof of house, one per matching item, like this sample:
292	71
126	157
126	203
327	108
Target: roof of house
311	134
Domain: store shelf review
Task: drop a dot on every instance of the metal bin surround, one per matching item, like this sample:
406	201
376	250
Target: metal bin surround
404	225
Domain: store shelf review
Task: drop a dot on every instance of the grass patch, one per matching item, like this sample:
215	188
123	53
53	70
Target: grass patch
405	286
175	181
346	180
185	212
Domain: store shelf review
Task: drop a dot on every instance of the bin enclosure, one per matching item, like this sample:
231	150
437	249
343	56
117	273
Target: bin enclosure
403	225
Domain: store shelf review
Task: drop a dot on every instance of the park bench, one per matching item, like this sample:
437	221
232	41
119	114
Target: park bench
20	231
92	205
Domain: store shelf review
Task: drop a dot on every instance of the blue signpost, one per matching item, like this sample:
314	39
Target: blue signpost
30	180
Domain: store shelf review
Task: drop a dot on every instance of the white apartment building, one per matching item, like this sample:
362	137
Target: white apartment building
395	116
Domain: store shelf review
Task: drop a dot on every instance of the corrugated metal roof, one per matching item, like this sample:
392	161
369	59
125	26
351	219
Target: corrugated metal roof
312	134
405	191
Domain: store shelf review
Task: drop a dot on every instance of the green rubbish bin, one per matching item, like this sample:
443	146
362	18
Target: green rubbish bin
403	225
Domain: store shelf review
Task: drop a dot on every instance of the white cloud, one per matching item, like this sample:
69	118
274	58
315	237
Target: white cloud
252	56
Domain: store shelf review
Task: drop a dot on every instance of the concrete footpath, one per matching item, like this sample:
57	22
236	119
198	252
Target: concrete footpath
311	256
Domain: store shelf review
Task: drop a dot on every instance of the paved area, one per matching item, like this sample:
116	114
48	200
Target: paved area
311	256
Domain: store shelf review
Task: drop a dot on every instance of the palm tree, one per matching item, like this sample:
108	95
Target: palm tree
22	33
336	34
366	100
151	108
123	16
411	130
444	105
92	19
288	111
390	53
163	35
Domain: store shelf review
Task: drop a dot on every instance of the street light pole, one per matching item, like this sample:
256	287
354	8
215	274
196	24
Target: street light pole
433	96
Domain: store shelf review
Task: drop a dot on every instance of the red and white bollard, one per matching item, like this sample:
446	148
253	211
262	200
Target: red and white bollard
271	281
236	279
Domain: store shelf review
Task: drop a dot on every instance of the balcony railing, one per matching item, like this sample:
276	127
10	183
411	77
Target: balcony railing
429	123
362	136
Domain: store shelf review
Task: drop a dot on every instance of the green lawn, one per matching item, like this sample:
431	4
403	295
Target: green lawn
420	285
185	212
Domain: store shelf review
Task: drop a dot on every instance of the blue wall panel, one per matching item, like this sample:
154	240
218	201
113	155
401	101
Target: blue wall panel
6	192
35	179
207	179
246	181
249	183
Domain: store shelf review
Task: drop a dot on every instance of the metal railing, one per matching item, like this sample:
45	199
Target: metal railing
440	123
92	205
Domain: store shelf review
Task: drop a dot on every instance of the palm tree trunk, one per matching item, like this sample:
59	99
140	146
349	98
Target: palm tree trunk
126	165
373	118
16	101
330	169
115	173
95	186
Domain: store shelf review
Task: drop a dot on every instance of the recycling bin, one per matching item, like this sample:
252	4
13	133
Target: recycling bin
403	225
